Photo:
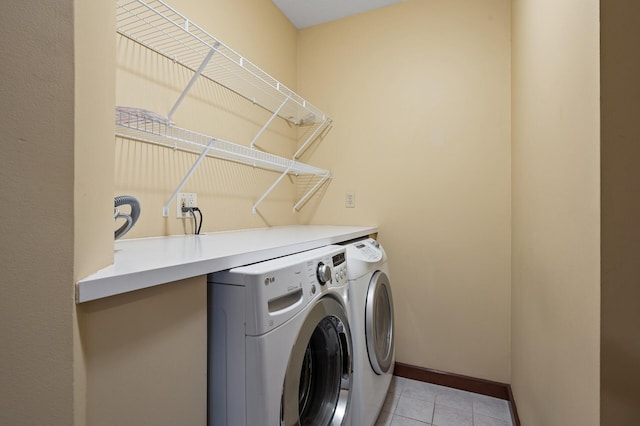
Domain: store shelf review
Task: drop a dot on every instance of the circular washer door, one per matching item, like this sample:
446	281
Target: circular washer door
317	383
379	323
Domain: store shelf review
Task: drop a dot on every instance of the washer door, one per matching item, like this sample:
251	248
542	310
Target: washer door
317	383
379	323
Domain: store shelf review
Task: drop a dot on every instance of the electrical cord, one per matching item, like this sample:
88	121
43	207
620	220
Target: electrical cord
199	226
191	210
195	221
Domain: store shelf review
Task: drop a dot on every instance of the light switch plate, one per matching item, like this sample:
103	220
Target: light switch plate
350	200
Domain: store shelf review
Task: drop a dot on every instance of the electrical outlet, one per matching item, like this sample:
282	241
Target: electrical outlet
185	199
350	200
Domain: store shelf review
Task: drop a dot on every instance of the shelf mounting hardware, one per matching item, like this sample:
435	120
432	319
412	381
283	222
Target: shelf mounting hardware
275	114
268	191
309	193
193	79
165	208
325	122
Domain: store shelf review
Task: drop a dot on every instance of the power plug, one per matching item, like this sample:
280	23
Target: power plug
185	199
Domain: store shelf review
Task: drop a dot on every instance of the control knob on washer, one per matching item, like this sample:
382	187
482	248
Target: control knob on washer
323	273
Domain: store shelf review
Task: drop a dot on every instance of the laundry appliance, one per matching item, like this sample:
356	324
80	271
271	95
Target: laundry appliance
372	328
280	343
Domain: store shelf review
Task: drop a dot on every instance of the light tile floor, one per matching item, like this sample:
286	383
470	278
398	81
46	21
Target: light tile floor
414	403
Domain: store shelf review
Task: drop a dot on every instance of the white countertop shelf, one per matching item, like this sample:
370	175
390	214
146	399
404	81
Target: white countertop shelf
147	262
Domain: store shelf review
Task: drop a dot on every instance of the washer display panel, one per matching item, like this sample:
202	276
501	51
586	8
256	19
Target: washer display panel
318	380
379	323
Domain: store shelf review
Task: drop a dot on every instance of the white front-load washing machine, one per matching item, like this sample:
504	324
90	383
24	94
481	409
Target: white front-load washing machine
372	328
280	348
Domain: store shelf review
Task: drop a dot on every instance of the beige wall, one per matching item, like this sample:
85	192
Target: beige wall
57	137
37	174
555	212
147	356
94	64
420	93
620	90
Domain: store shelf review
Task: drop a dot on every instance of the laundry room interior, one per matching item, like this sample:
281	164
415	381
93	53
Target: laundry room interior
491	143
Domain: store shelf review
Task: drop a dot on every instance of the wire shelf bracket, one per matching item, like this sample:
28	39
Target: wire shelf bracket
309	193
318	131
165	208
275	114
192	81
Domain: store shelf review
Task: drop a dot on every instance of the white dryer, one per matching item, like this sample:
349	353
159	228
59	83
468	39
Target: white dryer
372	328
280	342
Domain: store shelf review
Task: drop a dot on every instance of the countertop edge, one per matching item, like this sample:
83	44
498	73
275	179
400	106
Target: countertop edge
121	277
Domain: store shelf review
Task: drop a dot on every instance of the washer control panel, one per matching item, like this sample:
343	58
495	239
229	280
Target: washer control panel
330	270
340	268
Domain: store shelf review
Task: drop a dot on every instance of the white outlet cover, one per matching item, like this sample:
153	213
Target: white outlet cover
190	199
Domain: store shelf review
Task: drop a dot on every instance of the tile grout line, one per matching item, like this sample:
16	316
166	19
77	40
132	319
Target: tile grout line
433	413
473	417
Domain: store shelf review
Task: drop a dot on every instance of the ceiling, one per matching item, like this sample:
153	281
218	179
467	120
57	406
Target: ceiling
305	13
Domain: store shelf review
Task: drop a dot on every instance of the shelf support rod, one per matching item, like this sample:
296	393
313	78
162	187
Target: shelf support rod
275	114
311	138
186	90
165	208
310	192
268	191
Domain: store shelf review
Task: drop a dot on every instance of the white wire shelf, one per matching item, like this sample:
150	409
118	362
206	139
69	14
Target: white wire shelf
149	127
159	27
